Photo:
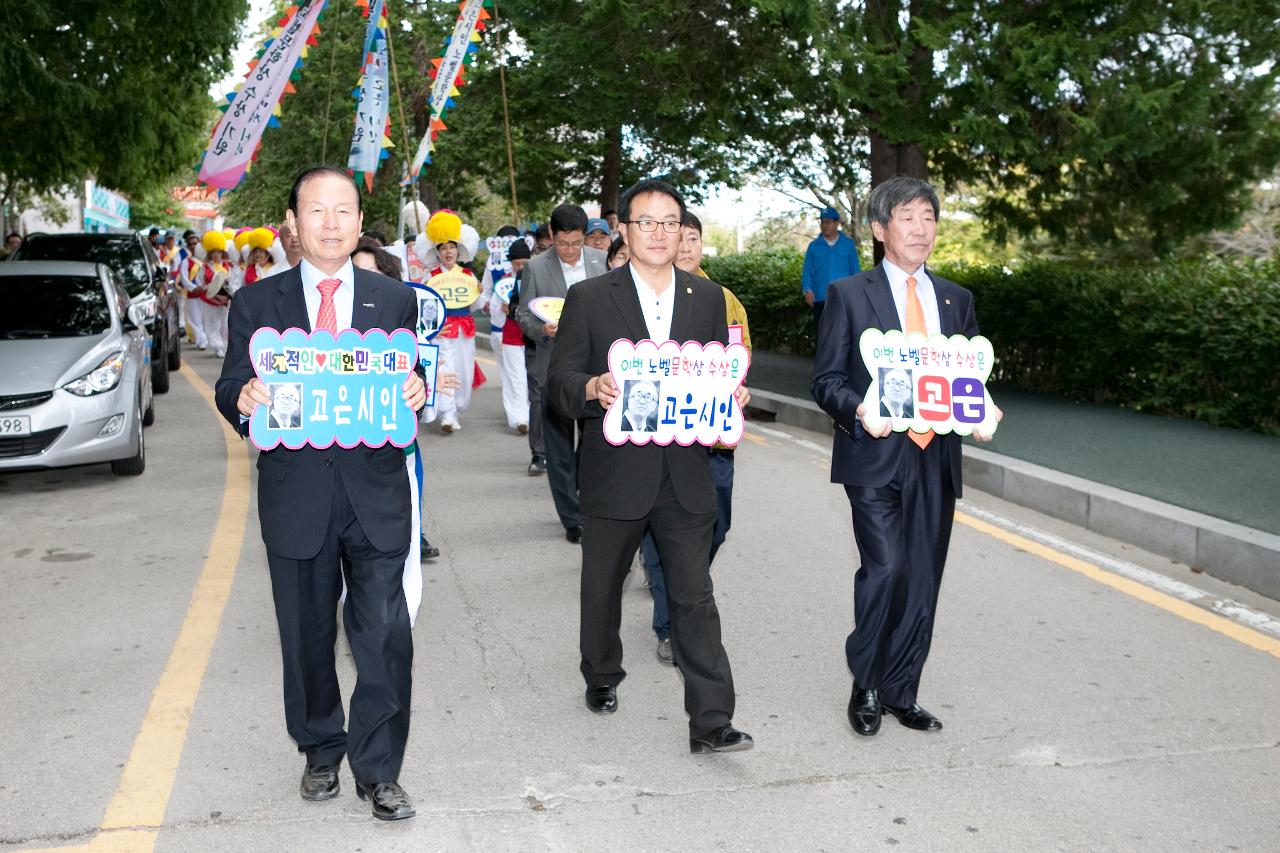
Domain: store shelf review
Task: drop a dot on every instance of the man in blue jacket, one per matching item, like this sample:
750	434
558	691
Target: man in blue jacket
832	255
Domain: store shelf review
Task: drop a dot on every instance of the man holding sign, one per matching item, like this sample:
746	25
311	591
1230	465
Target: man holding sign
629	486
326	513
902	485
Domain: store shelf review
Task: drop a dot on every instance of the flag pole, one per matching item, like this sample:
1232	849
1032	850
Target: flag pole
404	129
506	118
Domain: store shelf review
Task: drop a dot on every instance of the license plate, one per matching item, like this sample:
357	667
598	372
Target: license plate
15	425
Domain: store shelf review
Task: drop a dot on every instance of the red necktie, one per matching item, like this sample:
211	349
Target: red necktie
327	317
916	325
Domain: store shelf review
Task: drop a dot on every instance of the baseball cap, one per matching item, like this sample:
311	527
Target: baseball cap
596	224
829	213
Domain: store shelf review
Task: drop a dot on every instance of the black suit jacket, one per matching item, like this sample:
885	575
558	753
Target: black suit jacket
623	482
840	379
295	487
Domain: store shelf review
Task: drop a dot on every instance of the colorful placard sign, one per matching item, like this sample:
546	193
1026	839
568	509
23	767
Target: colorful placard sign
936	383
459	289
502	288
498	264
676	392
547	308
325	389
429	358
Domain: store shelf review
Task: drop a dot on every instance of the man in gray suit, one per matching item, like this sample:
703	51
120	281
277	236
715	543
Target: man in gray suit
552	274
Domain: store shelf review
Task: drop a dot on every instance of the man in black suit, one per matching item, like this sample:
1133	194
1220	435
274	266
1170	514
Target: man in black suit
624	489
902	486
326	514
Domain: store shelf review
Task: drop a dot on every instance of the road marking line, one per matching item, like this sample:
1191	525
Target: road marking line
1224	607
136	812
1244	624
1178	607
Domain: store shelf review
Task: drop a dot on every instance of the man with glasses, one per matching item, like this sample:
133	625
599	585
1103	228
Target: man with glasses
628	488
553	274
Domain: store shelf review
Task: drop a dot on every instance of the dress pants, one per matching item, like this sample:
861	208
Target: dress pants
558	434
684	541
817	314
377	623
902	530
536	446
720	463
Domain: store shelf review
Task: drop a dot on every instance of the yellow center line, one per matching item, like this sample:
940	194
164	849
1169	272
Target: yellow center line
1178	607
136	812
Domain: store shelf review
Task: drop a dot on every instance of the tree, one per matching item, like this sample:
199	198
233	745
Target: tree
115	90
1095	122
604	92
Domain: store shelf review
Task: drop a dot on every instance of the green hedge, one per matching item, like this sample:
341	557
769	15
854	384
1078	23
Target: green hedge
768	283
1195	339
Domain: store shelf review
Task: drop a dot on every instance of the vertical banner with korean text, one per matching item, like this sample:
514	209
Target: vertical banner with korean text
371	138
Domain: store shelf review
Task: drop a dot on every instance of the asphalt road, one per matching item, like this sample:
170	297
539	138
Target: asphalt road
141	708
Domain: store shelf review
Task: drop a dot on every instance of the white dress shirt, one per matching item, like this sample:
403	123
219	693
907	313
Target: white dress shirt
344	298
924	291
657	308
576	273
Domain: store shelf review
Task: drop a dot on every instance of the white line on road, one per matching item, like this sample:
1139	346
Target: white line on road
1225	607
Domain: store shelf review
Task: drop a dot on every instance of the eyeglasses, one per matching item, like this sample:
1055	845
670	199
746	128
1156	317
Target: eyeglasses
564	244
643	397
671	226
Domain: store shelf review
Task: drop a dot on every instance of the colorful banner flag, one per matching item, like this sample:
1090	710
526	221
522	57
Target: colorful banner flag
447	73
372	136
255	104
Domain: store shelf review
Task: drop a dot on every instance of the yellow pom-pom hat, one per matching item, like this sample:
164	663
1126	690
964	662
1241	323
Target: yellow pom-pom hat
444	226
214	241
261	238
242	238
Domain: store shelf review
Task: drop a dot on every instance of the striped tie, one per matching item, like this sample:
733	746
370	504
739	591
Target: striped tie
327	317
915	325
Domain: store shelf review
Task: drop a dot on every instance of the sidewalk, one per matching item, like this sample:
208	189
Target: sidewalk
1206	496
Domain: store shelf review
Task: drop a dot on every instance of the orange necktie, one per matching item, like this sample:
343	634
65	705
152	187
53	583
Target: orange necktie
327	316
915	325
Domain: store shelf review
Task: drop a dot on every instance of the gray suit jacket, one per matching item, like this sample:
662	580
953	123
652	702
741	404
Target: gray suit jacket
543	276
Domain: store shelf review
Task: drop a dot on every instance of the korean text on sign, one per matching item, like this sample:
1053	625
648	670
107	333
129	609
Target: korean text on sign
672	392
326	389
935	383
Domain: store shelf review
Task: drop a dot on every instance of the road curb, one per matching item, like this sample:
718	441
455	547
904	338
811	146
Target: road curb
1228	551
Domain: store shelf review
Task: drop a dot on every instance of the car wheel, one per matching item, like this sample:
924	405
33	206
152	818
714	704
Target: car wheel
149	416
137	463
175	350
160	365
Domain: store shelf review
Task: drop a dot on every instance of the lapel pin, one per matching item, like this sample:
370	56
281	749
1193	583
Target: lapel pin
948	301
688	290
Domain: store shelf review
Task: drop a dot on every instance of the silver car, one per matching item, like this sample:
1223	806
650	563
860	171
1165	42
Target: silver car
75	377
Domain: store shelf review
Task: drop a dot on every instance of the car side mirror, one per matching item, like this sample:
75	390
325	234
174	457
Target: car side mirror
134	318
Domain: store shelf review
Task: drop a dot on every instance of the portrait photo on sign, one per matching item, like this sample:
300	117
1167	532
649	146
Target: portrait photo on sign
286	405
430	315
640	413
896	391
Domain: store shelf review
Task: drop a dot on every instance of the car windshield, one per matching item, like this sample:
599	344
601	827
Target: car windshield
52	306
121	252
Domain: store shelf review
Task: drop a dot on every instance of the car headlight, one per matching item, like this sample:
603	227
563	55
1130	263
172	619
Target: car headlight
101	379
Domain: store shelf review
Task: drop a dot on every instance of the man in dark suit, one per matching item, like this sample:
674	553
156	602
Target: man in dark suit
628	488
554	274
901	486
326	514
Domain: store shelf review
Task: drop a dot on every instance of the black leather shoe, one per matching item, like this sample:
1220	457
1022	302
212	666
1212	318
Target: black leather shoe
429	551
574	535
723	739
603	700
319	782
864	711
915	717
390	802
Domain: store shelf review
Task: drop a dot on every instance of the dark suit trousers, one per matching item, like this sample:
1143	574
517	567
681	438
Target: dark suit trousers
684	543
536	446
558	433
902	530
376	617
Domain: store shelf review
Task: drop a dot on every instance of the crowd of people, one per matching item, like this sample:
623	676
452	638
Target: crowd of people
636	276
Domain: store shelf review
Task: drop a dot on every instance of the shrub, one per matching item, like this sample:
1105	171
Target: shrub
1195	339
